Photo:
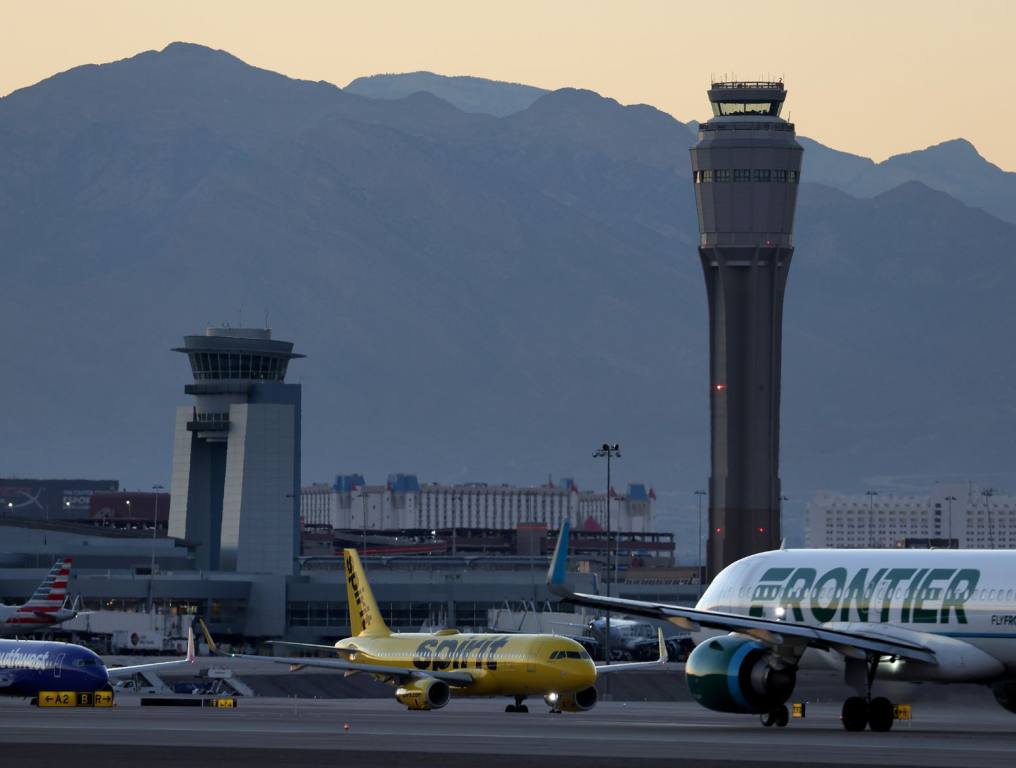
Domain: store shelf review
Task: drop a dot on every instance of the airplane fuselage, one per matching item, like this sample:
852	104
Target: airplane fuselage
30	666
499	664
937	595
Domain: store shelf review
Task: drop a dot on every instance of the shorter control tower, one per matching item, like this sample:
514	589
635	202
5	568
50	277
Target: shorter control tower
236	453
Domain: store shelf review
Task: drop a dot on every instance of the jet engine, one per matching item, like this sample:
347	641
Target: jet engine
733	674
1005	694
580	701
425	693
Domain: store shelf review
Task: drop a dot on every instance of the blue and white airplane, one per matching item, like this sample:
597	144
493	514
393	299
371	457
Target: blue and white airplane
28	667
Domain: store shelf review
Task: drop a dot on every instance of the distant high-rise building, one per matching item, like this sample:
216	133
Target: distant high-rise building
746	166
949	516
404	503
236	455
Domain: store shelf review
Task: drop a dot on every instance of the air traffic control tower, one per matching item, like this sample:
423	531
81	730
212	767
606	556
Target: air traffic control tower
746	166
236	453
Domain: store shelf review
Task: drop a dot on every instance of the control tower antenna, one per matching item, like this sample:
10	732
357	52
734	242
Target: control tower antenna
746	166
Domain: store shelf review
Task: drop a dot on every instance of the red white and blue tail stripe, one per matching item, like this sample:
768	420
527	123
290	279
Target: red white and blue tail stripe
48	598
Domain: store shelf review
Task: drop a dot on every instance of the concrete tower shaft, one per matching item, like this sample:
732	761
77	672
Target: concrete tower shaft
745	166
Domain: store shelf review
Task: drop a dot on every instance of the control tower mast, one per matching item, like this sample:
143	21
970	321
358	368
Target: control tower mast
746	166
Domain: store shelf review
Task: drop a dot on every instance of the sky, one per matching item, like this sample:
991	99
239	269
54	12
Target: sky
872	78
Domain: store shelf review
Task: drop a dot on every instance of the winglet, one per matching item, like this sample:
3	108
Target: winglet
191	655
559	563
212	647
664	656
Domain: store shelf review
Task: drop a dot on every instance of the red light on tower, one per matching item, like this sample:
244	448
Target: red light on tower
761	530
719	387
719	530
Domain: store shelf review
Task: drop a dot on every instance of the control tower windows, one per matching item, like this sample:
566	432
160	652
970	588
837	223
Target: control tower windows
763	174
759	108
742	174
780	176
723	174
211	365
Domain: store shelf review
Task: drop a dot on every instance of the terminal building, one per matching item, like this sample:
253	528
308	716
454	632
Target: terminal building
957	516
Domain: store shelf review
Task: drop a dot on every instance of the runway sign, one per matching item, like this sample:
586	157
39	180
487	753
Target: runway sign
901	711
76	699
223	703
799	709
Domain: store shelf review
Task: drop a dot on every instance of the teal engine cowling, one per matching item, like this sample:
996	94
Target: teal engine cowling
1005	694
734	674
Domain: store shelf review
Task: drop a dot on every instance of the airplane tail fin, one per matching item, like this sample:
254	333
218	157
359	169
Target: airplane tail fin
50	595
364	615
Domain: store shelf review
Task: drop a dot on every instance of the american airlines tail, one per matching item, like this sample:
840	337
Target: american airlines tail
46	605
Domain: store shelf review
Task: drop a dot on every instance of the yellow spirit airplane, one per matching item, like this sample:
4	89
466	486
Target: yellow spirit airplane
428	668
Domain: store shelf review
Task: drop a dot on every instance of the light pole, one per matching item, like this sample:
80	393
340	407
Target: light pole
151	570
698	548
987	493
363	500
871	517
608	452
949	500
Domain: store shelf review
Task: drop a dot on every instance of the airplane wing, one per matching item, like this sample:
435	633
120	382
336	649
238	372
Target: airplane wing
602	669
135	668
396	673
768	631
312	646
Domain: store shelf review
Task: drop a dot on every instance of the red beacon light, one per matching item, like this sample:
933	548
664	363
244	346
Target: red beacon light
719	387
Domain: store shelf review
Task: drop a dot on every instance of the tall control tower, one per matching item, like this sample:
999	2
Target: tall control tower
746	166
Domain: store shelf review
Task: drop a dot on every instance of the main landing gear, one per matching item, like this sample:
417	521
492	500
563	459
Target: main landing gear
518	706
860	712
778	717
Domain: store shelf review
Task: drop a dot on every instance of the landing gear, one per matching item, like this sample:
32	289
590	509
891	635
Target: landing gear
518	706
861	712
778	717
855	714
880	714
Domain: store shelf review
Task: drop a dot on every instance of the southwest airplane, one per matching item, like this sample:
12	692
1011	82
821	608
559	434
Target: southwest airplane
44	609
28	667
428	668
937	616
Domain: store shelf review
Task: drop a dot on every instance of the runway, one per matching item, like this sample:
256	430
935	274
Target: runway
277	733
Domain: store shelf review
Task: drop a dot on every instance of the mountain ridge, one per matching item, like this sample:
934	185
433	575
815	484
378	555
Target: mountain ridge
479	298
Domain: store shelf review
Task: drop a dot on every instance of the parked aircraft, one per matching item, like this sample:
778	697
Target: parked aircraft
45	608
917	615
28	667
428	668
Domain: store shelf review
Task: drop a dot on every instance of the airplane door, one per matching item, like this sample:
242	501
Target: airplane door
534	656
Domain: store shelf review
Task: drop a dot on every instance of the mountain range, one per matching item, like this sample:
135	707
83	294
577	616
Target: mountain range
480	297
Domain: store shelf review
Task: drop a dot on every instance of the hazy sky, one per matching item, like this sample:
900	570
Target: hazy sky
875	78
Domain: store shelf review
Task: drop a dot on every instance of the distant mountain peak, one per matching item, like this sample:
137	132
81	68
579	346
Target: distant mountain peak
467	93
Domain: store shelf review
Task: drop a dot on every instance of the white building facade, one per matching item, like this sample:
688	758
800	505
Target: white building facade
975	518
402	504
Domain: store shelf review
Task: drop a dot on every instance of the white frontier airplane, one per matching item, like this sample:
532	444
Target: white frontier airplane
936	616
45	608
